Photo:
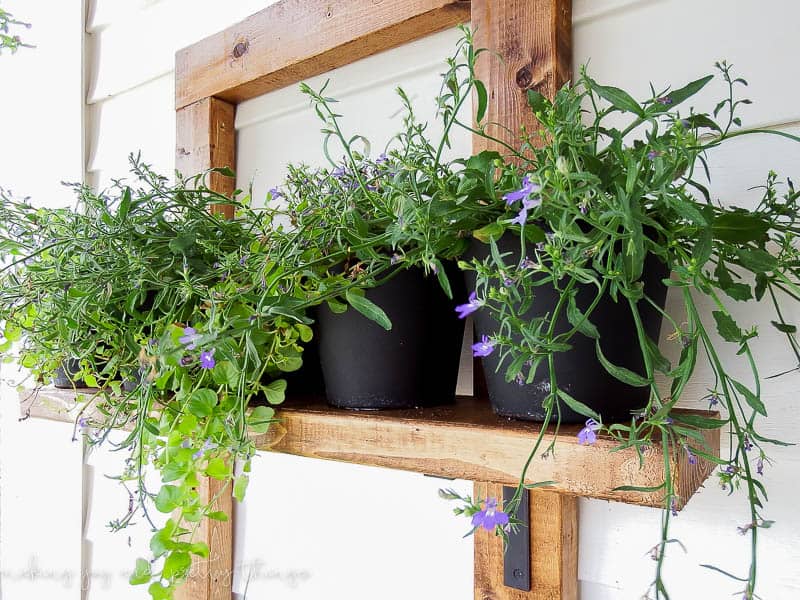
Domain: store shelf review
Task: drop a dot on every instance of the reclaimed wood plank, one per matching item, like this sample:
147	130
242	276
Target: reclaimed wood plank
465	440
295	39
206	139
554	550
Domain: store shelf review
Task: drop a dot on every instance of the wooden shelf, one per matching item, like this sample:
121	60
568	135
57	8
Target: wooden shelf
464	440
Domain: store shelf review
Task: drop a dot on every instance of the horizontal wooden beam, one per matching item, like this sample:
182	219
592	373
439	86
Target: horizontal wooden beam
465	441
296	39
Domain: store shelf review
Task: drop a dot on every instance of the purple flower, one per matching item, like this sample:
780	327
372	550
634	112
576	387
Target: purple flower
653	154
187	443
207	359
691	456
186	361
395	259
664	100
760	466
483	348
470	307
674	507
381	159
747	444
730	469
490	517
338	172
189	338
522	216
276	193
588	434
713	400
528	188
207	445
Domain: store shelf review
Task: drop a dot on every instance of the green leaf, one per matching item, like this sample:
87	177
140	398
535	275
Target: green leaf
578	406
621	373
275	391
176	565
483	101
201	548
577	319
224	171
784	327
174	471
169	498
240	487
537	101
202	402
337	308
618	98
698	421
638	488
260	418
224	373
490	232
754	401
159	592
217	515
739	228
680	95
218	469
141	573
368	308
727	327
305	332
757	260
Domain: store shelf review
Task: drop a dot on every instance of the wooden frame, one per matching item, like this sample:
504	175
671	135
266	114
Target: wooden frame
296	39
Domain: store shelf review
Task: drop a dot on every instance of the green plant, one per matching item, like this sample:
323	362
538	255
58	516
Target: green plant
604	183
7	24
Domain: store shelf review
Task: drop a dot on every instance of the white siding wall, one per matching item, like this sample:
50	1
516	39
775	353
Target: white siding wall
40	146
311	529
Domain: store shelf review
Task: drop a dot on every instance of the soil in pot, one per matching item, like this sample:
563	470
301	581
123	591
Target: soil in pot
414	364
578	370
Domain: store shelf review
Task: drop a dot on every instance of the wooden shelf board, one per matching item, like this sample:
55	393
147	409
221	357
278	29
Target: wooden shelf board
464	440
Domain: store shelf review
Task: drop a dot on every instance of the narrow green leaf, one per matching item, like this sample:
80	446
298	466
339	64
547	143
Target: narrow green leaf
618	98
578	406
727	327
698	421
369	309
754	401
621	373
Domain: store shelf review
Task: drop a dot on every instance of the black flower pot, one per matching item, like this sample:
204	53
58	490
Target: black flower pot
414	364
577	370
307	380
65	375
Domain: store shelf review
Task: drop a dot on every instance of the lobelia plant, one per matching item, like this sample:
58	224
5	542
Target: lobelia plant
185	298
607	189
8	38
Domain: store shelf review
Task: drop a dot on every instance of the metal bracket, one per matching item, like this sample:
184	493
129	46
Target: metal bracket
517	556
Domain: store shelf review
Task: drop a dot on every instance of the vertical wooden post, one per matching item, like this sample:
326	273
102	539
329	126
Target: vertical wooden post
534	41
206	139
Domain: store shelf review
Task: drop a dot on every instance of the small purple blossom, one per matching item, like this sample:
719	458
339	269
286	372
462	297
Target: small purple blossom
338	172
653	154
189	338
522	216
186	444
674	507
207	359
490	517
730	470
483	348
395	259
207	445
186	361
747	444
588	435
526	263
528	188
664	100
760	466
275	193
713	400
382	158
243	260
470	307
691	456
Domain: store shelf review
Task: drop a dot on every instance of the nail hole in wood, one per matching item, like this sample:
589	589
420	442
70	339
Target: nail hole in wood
240	49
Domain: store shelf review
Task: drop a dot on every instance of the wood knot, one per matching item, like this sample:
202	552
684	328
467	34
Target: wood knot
524	77
240	49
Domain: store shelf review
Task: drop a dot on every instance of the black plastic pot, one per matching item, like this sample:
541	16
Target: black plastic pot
578	370
307	380
413	364
65	375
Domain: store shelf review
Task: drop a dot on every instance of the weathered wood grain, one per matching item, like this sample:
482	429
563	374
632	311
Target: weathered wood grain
465	440
295	39
530	44
206	139
554	550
